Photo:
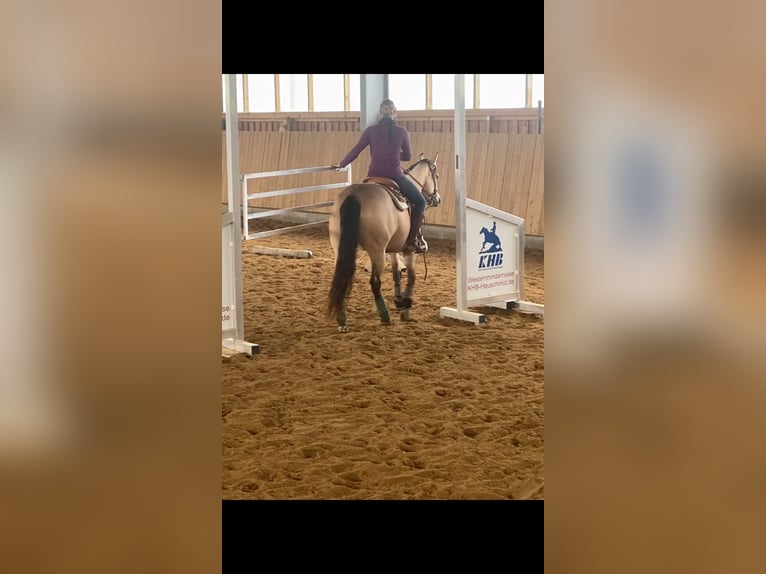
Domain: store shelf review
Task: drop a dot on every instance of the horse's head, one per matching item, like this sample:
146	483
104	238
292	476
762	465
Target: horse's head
424	173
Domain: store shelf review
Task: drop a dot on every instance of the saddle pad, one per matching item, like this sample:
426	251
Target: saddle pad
390	186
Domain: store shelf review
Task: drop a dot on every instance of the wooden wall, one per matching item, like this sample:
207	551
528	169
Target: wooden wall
515	120
505	170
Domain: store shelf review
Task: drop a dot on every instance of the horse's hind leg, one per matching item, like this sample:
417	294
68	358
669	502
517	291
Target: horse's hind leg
378	261
342	320
405	303
396	272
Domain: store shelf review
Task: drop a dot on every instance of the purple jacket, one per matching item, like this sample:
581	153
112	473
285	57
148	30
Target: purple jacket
385	156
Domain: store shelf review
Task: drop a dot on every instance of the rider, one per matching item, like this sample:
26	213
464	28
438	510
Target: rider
389	145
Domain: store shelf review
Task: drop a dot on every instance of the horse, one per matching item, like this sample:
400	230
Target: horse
369	215
491	238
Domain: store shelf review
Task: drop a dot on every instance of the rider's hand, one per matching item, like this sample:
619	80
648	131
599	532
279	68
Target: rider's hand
336	166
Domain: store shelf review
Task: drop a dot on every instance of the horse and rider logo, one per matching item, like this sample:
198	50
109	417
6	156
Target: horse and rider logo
491	252
491	238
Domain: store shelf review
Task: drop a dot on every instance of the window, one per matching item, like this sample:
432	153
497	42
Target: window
355	81
408	91
293	93
502	90
328	92
443	94
261	92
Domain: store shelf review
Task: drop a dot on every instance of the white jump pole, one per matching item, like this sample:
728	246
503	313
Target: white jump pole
232	311
461	160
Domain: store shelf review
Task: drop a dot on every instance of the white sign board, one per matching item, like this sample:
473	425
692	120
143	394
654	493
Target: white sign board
493	254
492	257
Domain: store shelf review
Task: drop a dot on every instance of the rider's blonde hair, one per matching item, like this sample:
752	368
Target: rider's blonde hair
387	109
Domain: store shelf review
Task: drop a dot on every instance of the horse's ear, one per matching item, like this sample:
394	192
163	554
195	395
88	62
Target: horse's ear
436	158
422	155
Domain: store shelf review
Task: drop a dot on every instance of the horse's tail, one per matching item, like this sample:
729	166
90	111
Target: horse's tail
345	264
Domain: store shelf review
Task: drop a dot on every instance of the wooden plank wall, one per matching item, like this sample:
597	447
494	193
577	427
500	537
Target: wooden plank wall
515	120
505	170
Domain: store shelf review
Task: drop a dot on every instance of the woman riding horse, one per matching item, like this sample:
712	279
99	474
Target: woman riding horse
389	146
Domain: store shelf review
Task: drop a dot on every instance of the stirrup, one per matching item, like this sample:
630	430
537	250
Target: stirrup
417	246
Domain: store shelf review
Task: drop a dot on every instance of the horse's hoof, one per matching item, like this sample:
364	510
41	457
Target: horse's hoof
343	329
405	315
385	321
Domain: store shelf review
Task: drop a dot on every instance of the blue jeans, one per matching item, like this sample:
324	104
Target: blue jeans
410	191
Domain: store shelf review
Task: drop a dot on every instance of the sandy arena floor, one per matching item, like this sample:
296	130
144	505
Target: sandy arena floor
430	409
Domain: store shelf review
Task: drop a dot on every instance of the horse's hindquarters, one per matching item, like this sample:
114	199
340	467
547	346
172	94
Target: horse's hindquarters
383	227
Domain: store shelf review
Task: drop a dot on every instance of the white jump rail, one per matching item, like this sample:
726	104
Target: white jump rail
246	197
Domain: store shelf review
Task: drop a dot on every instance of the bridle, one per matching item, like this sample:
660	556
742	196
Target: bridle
433	198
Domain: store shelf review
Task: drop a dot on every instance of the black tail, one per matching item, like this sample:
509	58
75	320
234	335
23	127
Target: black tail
345	265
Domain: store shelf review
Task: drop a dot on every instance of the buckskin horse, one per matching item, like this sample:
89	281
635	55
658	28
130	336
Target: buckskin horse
375	216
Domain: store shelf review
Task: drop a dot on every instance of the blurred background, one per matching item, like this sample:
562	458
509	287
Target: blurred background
656	275
110	139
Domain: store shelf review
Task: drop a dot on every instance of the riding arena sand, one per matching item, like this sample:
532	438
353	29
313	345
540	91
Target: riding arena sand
433	408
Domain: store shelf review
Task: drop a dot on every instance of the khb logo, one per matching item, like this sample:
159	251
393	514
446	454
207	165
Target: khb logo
491	252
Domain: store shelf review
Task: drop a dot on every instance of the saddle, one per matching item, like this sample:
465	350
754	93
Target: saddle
392	188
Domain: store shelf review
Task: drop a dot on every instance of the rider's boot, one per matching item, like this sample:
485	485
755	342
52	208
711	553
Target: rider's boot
415	242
